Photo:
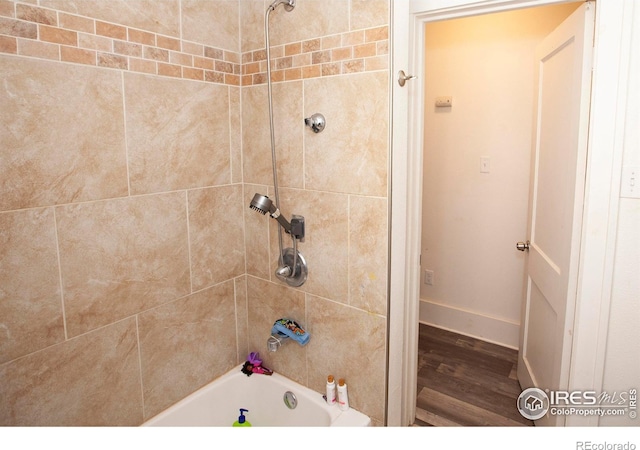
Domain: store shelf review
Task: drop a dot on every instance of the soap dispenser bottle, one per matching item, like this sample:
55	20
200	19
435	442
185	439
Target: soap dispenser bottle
242	420
343	397
331	390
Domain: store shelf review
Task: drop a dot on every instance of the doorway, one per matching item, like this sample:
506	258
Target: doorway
599	214
476	168
479	97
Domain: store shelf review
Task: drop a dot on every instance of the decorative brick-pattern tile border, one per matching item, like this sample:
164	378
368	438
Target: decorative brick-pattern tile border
38	32
29	30
355	51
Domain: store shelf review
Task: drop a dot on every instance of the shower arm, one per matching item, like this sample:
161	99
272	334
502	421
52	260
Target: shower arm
288	4
284	223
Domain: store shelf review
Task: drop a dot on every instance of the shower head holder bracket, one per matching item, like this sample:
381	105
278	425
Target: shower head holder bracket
297	227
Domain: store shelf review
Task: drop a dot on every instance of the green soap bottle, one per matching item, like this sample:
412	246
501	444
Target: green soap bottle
242	420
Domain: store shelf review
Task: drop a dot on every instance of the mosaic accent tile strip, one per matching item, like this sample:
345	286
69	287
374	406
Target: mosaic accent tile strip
356	51
34	31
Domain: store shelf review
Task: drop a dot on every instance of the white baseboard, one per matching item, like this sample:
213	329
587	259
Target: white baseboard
470	323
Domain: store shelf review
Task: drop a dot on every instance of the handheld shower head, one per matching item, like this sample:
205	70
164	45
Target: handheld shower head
262	204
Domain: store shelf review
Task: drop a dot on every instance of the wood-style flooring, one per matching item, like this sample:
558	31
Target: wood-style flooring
464	381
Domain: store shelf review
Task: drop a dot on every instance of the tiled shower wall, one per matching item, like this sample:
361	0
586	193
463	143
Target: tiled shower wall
133	136
336	179
122	265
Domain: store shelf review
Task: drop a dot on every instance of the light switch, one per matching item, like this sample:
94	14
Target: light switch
630	187
485	164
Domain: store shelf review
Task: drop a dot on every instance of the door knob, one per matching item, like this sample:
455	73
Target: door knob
522	246
403	78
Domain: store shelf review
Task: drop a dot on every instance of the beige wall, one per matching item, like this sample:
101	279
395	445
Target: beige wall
133	137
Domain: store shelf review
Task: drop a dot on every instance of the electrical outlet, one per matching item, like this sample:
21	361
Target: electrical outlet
428	277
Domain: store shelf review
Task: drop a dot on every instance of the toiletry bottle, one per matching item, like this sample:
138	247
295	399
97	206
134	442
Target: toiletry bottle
242	420
331	390
343	397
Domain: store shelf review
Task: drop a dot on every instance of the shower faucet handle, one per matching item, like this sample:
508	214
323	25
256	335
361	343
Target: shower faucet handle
297	227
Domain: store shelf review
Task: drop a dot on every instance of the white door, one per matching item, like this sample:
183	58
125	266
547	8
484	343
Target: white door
557	193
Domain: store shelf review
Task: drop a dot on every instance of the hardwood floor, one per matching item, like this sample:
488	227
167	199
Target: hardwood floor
464	381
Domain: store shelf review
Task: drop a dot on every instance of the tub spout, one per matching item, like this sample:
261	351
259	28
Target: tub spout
276	340
286	329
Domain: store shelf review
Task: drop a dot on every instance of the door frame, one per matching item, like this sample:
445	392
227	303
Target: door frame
600	216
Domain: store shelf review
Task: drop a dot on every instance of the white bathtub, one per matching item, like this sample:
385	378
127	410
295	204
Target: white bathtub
218	404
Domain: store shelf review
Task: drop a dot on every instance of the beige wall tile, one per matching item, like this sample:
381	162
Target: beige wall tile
120	257
256	235
255	136
326	241
169	70
368	250
235	135
168	43
18	28
159	16
185	344
242	327
267	303
348	343
77	55
141	37
38	49
351	154
193	74
213	22
92	380
142	65
30	302
113	61
288	128
216	235
111	30
177	133
63	134
7	8
95	42
35	14
369	13
309	19
77	23
252	24
8	44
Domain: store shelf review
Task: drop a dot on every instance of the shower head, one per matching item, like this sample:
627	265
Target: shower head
288	4
262	204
